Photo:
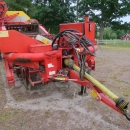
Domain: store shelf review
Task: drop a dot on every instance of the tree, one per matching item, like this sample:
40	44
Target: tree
51	13
120	33
113	36
21	5
104	12
126	27
121	28
107	33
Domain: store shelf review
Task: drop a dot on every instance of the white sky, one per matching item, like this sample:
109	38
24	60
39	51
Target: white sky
126	19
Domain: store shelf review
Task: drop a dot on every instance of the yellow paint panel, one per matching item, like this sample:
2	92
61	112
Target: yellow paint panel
4	34
21	13
46	41
94	94
43	39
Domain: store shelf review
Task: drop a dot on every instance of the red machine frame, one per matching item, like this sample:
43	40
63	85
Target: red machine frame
38	63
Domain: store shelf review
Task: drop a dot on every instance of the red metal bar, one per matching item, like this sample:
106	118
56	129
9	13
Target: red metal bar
101	96
109	102
9	74
31	57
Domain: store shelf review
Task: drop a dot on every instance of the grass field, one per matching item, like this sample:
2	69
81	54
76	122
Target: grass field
118	43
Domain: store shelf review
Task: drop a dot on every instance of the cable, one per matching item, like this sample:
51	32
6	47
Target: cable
60	34
70	37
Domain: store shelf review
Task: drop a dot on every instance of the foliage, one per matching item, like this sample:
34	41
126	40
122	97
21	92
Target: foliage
20	5
120	33
107	33
113	35
104	12
110	33
53	12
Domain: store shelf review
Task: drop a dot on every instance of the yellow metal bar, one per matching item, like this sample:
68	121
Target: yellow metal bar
92	80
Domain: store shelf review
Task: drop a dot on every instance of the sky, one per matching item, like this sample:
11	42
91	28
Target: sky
126	19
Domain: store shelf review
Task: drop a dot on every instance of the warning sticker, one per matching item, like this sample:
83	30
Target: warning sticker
52	72
50	65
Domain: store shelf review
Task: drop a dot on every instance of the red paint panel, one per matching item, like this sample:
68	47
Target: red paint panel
90	31
76	26
40	48
16	42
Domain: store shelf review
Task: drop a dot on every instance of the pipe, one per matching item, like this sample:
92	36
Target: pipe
92	80
119	102
31	57
35	57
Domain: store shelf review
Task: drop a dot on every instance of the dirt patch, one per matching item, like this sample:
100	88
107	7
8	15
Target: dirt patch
57	106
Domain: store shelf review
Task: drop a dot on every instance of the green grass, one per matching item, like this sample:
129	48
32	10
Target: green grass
119	43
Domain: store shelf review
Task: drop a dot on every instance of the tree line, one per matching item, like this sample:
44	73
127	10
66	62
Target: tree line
51	13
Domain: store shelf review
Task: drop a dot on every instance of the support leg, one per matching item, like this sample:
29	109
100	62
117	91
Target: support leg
83	89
